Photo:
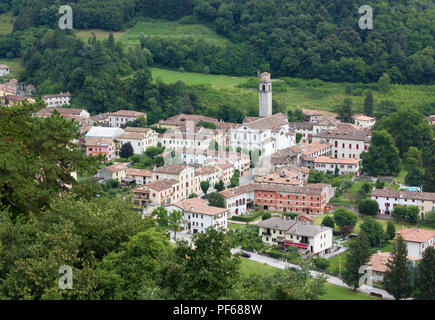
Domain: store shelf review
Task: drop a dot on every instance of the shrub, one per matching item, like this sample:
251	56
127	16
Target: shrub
345	217
247	218
266	216
391	230
292	215
328	221
368	206
321	263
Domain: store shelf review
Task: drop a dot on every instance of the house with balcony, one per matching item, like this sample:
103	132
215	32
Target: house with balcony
316	240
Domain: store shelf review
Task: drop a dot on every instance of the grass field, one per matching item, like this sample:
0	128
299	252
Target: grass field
172	29
190	78
333	292
14	65
6	22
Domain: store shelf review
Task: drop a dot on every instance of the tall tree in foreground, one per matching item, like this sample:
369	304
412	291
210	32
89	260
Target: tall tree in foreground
206	270
359	254
369	104
37	157
281	285
397	277
425	283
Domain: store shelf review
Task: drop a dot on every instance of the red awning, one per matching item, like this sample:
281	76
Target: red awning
300	245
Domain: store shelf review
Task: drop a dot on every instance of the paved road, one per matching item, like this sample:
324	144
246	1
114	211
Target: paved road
282	265
246	179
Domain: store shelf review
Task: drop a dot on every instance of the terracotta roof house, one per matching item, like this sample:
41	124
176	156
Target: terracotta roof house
115	171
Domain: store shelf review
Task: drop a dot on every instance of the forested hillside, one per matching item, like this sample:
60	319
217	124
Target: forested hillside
298	38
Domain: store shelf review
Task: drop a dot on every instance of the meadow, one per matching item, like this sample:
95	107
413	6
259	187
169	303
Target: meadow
14	65
191	78
325	97
171	29
6	22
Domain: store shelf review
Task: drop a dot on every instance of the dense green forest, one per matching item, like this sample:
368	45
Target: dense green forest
297	38
105	77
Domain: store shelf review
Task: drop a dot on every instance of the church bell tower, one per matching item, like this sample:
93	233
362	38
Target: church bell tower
265	95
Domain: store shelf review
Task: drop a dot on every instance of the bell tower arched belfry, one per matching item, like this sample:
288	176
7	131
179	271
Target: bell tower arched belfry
265	95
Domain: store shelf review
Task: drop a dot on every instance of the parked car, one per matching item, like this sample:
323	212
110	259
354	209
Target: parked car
246	255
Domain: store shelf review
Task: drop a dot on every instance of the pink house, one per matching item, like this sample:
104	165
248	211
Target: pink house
105	146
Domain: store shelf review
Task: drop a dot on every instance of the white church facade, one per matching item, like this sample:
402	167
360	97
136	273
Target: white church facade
268	133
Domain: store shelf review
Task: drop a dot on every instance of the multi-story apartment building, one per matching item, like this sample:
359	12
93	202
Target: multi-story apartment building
268	135
57	100
120	118
140	176
182	173
287	198
139	138
198	215
240	160
388	198
196	138
317	240
115	171
239	200
158	193
364	121
69	113
346	144
104	146
344	166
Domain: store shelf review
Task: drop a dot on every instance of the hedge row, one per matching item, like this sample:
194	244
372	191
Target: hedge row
247	218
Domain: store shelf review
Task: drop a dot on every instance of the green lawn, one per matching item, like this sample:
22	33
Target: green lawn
400	178
172	29
235	226
249	266
6	22
191	78
333	292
